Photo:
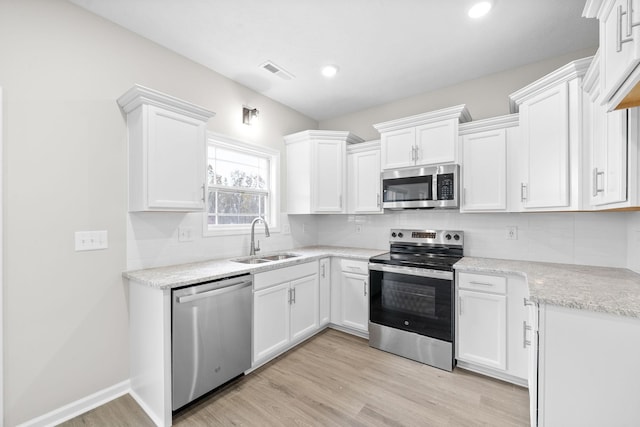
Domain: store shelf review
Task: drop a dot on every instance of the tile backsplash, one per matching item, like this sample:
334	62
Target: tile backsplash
594	238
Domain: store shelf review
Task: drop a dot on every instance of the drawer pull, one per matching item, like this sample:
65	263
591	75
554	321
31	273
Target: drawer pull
481	283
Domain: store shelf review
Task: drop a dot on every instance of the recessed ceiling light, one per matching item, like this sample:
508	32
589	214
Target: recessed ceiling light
479	9
329	71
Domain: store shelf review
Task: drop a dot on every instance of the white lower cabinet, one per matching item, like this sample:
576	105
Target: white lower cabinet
285	309
325	291
350	295
588	368
491	325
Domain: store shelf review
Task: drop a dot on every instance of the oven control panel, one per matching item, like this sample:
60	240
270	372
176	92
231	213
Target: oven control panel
448	237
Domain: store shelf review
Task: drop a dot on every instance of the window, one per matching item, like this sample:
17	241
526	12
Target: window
242	183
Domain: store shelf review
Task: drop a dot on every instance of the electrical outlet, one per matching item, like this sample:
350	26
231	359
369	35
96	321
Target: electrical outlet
512	233
304	228
185	234
286	228
358	228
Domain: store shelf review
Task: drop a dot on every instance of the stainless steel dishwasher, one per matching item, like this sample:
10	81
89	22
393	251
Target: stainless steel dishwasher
211	336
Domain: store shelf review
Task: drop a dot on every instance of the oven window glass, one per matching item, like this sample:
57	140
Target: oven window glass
409	298
412	303
407	189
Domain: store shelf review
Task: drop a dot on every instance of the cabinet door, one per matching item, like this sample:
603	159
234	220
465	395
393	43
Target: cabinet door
619	60
608	180
532	376
366	185
398	148
482	328
175	162
270	321
304	306
355	301
545	140
519	330
328	160
436	143
324	284
484	171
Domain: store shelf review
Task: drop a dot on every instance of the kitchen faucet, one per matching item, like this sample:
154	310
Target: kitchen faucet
255	249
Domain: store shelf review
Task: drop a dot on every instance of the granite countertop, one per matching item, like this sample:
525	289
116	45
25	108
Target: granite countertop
603	289
187	274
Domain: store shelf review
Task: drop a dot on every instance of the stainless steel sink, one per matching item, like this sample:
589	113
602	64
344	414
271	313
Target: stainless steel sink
250	260
279	257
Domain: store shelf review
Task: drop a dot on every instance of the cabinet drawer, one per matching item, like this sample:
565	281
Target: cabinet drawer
353	266
281	275
482	282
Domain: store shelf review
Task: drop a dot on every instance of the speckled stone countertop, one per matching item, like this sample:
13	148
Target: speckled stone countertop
603	289
187	274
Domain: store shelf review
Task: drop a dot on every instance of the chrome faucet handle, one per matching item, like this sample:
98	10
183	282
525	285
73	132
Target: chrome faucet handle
257	247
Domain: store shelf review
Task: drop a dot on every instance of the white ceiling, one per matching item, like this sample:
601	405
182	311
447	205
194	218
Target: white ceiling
385	49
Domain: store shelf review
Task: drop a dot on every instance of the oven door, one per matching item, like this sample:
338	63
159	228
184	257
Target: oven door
412	299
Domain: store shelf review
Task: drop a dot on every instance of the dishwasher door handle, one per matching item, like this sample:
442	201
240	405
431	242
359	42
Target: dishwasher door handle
213	292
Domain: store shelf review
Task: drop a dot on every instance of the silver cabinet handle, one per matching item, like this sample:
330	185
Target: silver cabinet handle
323	271
460	306
378	199
417	153
289	296
596	187
203	193
628	14
525	328
413	154
523	192
481	283
365	287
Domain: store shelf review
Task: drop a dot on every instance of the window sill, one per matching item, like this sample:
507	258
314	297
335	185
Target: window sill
238	231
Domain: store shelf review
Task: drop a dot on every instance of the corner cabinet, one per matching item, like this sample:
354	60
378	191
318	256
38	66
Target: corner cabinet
612	156
423	139
167	143
363	177
316	171
551	126
486	147
620	50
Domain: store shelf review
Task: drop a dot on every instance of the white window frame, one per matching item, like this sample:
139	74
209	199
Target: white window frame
224	141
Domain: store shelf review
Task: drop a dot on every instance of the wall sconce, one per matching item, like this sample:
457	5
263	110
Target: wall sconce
249	115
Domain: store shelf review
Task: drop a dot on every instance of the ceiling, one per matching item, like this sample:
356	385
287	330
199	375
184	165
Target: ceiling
385	49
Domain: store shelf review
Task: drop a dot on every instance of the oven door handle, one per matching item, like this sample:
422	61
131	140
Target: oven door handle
412	271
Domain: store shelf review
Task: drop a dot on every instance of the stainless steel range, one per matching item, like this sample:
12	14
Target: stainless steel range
411	311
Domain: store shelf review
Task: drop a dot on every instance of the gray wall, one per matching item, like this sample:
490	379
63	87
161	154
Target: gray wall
65	169
485	97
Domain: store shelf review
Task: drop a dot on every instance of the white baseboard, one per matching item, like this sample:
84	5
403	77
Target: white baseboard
146	408
79	407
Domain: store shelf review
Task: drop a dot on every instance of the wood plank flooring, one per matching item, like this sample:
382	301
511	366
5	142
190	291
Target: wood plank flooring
336	379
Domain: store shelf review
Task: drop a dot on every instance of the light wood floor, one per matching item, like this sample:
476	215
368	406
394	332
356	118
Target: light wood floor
336	379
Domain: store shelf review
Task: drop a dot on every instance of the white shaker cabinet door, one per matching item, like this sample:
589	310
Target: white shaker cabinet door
330	163
366	185
484	171
304	306
270	321
398	148
545	141
436	143
482	328
355	301
324	284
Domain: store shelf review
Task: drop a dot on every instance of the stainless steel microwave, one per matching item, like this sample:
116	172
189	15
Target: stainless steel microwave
425	187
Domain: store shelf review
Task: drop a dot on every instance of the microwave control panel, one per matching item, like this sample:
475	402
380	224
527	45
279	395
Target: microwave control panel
446	187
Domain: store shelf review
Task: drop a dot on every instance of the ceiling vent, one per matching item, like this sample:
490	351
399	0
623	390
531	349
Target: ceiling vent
277	70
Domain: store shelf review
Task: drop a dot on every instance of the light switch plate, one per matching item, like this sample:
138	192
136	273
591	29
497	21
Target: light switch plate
185	234
91	240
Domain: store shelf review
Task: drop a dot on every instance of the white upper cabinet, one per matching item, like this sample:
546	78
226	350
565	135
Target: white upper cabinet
611	154
620	50
485	146
167	143
423	139
363	166
551	126
317	170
